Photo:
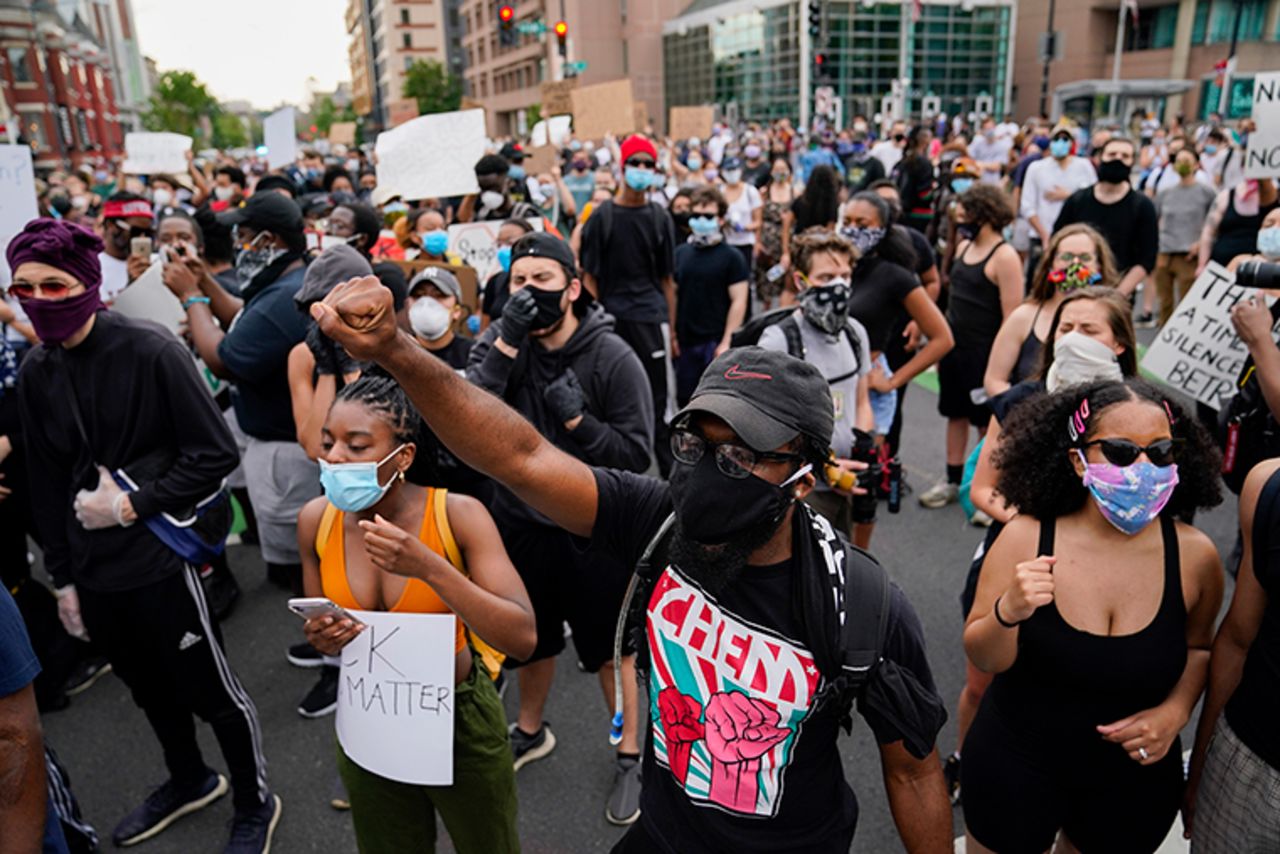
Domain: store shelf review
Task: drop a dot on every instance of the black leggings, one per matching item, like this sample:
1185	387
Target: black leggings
1019	790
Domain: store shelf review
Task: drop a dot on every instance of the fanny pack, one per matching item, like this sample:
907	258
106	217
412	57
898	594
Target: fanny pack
197	533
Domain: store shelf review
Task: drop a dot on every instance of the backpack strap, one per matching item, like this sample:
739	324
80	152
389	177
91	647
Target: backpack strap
791	331
325	530
491	657
866	616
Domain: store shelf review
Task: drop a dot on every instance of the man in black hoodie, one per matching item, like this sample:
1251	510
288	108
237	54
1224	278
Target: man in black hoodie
559	362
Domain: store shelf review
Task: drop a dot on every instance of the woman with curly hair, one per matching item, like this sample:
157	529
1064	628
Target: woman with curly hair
1077	257
1095	611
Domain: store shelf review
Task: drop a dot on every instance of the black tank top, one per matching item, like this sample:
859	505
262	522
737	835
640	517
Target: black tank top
1237	234
1254	709
1065	682
973	309
1029	354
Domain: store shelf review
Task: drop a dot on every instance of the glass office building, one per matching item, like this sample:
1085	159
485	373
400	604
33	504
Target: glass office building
744	55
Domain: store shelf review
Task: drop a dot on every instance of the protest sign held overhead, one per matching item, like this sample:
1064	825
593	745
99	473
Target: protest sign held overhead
281	138
156	153
17	197
689	122
603	109
1263	157
456	141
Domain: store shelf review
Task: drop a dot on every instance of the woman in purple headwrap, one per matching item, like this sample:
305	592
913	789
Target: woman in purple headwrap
56	277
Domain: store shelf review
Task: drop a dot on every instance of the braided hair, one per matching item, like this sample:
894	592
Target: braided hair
384	397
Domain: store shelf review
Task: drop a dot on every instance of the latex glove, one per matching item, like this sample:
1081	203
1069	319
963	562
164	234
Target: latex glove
517	317
102	507
69	612
565	396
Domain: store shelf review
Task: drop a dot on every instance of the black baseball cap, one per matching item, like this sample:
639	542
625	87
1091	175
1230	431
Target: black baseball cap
276	182
540	244
512	153
766	396
266	212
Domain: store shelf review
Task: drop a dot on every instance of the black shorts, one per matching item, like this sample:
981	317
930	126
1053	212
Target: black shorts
567	584
1020	790
959	373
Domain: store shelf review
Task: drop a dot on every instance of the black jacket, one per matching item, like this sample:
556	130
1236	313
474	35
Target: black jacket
139	397
617	428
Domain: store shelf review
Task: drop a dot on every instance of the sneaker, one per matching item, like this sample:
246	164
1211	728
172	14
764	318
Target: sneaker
251	830
981	519
322	699
338	797
1145	321
623	806
940	495
525	748
951	771
304	655
166	805
85	674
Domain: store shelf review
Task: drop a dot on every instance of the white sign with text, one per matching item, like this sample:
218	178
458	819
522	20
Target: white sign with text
1262	160
396	697
431	157
17	197
476	243
156	153
281	138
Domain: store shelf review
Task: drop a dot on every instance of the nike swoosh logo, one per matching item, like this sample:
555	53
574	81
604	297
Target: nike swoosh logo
736	373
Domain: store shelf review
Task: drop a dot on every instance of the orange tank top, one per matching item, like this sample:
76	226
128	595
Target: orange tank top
417	598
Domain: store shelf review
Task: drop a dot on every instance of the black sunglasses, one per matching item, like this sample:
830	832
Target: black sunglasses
736	461
643	164
1122	452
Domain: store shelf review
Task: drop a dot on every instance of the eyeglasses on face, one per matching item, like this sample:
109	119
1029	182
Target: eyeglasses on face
1122	452
49	289
736	461
1081	257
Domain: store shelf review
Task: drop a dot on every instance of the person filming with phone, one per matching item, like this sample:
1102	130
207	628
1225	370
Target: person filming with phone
128	230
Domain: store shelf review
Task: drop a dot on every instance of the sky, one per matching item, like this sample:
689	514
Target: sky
261	51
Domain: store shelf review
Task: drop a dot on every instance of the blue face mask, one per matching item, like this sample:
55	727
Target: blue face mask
637	178
504	258
961	185
1059	147
353	487
1211	149
1041	142
703	225
516	172
436	242
1269	241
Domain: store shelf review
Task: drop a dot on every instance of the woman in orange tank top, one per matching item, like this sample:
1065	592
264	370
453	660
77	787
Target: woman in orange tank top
378	543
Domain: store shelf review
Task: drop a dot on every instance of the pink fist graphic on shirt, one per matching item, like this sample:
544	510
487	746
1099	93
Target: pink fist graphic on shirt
739	730
682	724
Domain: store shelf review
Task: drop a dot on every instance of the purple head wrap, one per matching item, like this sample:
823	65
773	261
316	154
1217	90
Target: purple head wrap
71	248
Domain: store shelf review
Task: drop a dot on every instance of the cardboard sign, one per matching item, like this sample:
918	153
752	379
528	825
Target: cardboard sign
542	159
603	109
476	244
640	111
431	157
557	97
400	112
281	138
688	122
396	697
156	153
1198	352
466	277
17	198
342	133
1262	160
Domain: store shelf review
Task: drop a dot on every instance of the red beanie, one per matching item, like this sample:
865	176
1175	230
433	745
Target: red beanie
637	144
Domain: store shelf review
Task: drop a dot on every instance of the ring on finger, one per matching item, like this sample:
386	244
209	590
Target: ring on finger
1142	752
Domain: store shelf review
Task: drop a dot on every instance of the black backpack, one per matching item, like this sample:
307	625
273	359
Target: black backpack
785	319
1247	431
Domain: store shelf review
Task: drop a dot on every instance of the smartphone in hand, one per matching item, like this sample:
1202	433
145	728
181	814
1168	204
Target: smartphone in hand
140	246
309	608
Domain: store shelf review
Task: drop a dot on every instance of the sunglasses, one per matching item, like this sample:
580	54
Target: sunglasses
52	289
1122	452
735	461
643	164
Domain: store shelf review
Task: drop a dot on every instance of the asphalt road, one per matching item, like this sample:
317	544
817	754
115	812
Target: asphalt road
114	760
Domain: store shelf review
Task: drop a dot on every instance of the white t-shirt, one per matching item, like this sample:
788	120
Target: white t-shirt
1045	174
739	216
888	153
115	276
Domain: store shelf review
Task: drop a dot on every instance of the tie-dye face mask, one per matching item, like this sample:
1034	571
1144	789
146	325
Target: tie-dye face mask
1129	497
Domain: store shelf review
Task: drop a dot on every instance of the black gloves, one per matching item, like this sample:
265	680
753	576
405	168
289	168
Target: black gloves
329	355
517	317
565	395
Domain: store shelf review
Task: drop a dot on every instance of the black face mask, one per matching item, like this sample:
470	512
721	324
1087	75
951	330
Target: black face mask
966	230
1114	171
682	223
550	309
713	508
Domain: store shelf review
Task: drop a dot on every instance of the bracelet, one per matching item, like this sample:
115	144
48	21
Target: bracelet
995	609
190	301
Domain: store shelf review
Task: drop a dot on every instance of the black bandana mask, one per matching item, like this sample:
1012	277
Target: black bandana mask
713	508
827	306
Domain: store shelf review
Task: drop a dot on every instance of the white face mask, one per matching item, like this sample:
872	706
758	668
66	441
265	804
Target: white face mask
429	319
224	194
1077	358
161	197
491	199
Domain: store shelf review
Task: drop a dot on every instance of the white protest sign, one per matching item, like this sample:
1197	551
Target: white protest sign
396	697
476	243
17	197
147	298
1263	157
1198	352
280	137
552	131
431	156
156	153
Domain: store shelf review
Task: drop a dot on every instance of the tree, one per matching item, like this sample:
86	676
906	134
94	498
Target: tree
178	103
435	90
229	131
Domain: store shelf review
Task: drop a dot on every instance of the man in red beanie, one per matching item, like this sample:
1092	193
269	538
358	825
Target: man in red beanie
628	263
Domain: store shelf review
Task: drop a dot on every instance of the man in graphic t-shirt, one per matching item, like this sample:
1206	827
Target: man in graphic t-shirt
740	623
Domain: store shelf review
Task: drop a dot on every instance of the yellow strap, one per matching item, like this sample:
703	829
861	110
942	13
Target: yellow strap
491	657
326	527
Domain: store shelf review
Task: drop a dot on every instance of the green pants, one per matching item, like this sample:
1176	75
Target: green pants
479	809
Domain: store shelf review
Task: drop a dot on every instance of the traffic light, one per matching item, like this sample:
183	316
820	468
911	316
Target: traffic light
820	69
815	18
506	25
562	36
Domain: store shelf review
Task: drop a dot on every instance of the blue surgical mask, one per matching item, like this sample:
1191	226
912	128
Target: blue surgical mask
516	172
961	185
703	225
638	179
1211	149
575	146
504	258
1059	148
353	487
436	242
694	164
1269	242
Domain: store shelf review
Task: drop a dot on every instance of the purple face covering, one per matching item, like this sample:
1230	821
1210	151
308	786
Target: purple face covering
72	249
1129	497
